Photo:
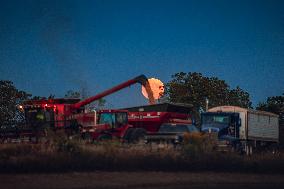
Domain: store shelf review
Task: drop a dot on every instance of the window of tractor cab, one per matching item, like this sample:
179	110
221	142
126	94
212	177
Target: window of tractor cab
121	119
107	118
113	119
221	119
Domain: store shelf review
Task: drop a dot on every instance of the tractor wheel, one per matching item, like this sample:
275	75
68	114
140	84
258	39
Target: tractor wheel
88	137
137	136
104	138
75	127
128	135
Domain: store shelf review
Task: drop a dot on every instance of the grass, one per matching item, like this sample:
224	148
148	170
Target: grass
63	155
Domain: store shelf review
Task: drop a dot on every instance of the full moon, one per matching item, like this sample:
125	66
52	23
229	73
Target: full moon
157	88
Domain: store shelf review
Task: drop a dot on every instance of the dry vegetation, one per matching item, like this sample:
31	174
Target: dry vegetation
64	155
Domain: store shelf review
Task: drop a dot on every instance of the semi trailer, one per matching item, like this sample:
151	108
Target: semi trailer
240	129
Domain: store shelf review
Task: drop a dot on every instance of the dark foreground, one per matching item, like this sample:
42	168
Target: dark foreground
149	180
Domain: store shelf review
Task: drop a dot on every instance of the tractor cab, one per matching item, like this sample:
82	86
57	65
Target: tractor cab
38	115
114	118
113	122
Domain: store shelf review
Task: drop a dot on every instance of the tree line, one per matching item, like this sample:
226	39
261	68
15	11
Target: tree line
192	88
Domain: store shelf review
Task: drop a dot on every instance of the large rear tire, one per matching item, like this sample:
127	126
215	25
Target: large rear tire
104	138
138	136
88	138
128	135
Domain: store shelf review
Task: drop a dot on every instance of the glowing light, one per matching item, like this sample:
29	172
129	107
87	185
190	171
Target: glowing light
157	88
21	108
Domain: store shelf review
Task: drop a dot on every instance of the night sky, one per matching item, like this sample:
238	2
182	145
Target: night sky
48	47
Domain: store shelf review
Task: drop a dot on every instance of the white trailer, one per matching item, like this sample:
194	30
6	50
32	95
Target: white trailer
256	128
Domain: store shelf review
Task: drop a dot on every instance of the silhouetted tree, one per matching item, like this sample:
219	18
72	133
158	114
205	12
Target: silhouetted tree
98	104
101	103
51	96
194	88
38	98
239	97
72	94
10	99
274	104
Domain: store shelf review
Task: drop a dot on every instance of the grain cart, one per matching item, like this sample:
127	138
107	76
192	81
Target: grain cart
131	124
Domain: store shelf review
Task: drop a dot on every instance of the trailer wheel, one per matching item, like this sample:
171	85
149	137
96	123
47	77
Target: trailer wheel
274	149
248	149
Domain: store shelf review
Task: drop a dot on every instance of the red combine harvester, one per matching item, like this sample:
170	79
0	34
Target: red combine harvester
62	111
128	124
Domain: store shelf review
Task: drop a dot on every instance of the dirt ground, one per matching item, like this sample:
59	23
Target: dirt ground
133	180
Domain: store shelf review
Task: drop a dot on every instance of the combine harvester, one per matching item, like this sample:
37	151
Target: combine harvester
127	125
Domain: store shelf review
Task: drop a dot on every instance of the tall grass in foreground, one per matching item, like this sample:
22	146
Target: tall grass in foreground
73	155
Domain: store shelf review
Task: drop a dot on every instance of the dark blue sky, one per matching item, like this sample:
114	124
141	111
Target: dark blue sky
48	47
